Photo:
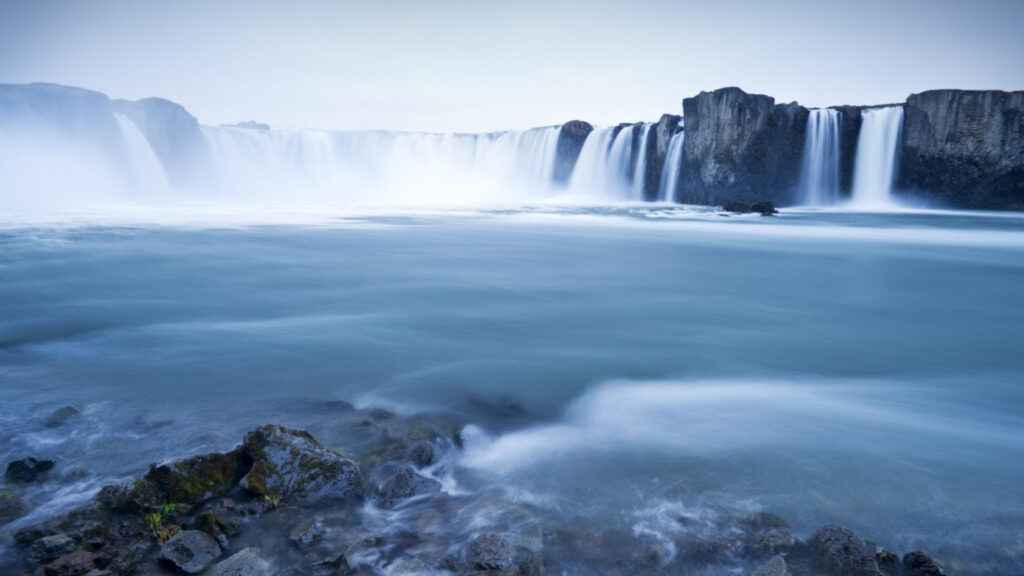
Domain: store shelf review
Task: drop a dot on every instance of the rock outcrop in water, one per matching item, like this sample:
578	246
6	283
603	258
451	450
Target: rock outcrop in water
282	503
964	148
740	147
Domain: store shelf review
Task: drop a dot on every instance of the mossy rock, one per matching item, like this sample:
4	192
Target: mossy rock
291	465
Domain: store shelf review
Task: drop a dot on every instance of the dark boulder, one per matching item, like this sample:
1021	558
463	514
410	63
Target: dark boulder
571	137
27	469
74	564
918	563
964	148
490	552
839	551
60	416
49	547
401	481
292	465
190	551
764	208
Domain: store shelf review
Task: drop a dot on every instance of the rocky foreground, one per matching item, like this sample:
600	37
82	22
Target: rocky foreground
282	503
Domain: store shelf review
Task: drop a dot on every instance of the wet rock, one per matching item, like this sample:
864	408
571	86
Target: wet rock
199	478
402	481
61	415
736	207
767	534
49	547
308	533
246	562
839	551
334	565
291	464
490	552
190	551
220	524
73	564
764	208
888	563
918	563
11	507
774	567
27	469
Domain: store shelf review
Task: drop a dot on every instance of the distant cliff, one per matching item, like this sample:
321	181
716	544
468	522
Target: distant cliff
956	148
964	148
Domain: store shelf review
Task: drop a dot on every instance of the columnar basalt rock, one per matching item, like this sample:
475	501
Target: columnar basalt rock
741	147
964	148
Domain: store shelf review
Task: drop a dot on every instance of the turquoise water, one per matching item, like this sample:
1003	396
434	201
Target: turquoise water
864	369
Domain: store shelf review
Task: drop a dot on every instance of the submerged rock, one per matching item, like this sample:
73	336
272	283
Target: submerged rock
245	562
27	469
291	464
490	552
190	551
11	507
401	481
838	551
60	416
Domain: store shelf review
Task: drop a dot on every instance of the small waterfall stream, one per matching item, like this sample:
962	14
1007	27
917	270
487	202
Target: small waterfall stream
819	176
875	166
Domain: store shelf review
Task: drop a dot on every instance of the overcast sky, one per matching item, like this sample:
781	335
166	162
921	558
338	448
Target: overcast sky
486	64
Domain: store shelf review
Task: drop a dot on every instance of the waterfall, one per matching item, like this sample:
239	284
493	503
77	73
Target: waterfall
383	166
819	176
668	187
875	165
602	169
640	169
146	172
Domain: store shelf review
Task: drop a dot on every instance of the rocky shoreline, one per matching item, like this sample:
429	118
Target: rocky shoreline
380	502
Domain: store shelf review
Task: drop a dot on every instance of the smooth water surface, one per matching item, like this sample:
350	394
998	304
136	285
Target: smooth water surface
864	369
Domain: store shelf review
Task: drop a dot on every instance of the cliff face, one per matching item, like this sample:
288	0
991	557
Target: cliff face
964	148
173	134
740	146
849	128
657	148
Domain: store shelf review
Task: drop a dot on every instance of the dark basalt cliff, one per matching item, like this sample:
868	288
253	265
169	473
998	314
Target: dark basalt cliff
741	147
964	148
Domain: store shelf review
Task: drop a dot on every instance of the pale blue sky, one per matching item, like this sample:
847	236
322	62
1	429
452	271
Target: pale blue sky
480	65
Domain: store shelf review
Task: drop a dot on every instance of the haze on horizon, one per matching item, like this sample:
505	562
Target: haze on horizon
460	65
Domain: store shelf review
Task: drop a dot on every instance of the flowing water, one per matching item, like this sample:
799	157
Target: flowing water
819	175
875	163
845	367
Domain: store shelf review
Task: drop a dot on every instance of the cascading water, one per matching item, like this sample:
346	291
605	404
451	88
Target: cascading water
602	169
668	187
819	176
640	169
875	165
377	165
147	173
